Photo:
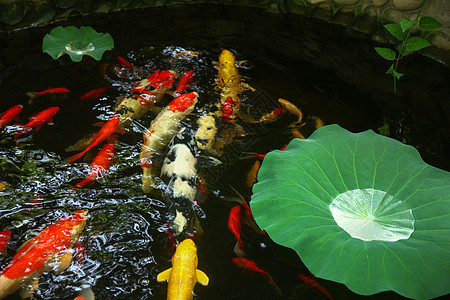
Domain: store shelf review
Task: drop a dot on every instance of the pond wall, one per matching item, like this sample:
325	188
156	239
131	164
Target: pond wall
366	16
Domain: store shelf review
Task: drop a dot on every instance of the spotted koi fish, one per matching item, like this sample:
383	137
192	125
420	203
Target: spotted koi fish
162	129
51	249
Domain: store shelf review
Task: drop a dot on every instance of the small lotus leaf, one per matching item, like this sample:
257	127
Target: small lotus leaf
76	42
361	209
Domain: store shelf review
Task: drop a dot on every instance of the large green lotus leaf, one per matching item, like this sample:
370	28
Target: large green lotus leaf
76	42
361	209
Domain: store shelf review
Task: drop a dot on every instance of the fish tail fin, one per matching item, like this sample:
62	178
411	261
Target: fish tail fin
274	284
75	157
32	95
88	181
239	248
21	130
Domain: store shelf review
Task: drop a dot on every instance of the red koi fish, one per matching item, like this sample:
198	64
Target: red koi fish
37	121
183	83
161	82
9	115
227	109
5	235
106	131
272	116
34	95
94	94
51	249
162	79
124	62
234	224
313	282
250	265
100	164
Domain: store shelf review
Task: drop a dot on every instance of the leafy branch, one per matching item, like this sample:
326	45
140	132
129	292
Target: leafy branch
408	43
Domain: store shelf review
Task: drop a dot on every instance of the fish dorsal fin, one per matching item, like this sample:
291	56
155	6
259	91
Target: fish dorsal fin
164	276
64	262
201	277
28	290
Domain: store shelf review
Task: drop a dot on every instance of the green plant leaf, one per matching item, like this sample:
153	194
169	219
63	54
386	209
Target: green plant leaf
405	24
396	31
386	53
429	23
416	43
361	209
76	42
397	74
391	69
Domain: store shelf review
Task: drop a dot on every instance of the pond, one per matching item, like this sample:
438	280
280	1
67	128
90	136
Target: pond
326	70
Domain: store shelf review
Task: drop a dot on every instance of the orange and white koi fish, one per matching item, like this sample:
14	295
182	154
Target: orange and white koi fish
313	282
234	224
106	131
184	274
250	265
50	249
5	235
100	165
184	82
9	115
37	121
94	94
33	95
293	109
162	129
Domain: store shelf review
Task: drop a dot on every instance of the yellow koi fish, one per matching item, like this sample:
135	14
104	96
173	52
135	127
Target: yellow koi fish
50	249
183	275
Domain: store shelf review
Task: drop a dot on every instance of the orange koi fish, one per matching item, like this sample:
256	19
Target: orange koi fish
94	94
2	186
50	249
184	274
33	95
100	164
183	83
162	129
5	235
272	116
9	115
161	79
106	131
250	265
247	212
124	62
313	282
318	122
234	224
293	109
37	121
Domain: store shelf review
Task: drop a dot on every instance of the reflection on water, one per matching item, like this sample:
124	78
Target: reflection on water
125	240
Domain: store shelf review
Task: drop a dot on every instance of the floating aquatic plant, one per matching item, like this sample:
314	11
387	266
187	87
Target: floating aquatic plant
361	209
76	42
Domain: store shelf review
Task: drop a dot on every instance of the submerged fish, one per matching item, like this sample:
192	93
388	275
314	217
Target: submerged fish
184	274
5	235
33	95
106	131
293	109
234	224
162	129
95	93
100	165
9	115
50	249
37	121
313	282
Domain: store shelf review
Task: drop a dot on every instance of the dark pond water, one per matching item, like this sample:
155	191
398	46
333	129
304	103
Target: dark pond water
326	70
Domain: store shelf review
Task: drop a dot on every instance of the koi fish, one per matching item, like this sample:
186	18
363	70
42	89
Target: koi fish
184	55
50	249
313	282
179	173
227	109
33	95
234	224
184	274
247	212
106	131
100	164
205	135
95	93
5	235
162	79
293	109
161	131
318	122
2	186
86	294
297	134
37	121
253	173
183	83
272	116
250	265
124	62
9	115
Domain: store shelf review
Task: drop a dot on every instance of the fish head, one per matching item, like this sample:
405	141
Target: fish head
227	57
183	103
79	222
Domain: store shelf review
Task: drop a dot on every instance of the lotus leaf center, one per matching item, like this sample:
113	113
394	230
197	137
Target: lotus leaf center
80	47
372	215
